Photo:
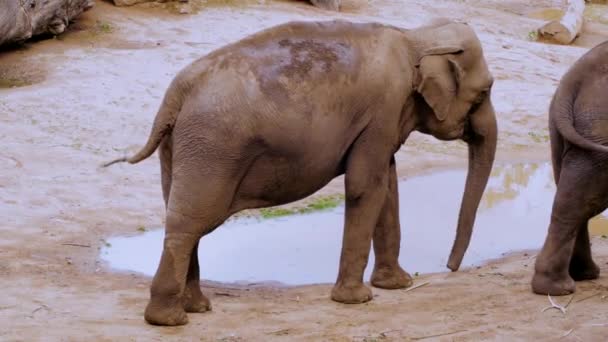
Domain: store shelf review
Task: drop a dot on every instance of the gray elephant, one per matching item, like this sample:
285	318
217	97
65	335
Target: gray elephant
274	117
578	127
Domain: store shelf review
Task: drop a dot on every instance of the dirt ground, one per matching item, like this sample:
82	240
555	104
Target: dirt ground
70	103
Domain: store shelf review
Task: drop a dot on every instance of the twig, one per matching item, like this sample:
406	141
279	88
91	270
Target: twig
593	295
598	325
279	332
226	294
385	333
554	305
567	333
18	164
417	286
40	308
438	335
76	245
225	287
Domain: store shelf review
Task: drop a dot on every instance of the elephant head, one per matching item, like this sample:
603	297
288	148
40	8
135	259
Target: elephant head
454	84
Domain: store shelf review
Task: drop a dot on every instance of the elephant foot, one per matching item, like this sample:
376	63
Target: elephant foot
195	301
555	286
352	294
584	270
391	278
159	313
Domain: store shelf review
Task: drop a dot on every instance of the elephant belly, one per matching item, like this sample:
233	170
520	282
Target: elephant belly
274	180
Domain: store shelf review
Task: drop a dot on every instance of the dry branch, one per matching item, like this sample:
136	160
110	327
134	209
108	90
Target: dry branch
23	19
568	27
417	286
554	305
75	245
438	335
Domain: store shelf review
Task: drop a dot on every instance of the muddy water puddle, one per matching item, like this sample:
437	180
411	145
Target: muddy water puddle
305	248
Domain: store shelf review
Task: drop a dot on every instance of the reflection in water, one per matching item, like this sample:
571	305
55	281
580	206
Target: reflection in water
303	249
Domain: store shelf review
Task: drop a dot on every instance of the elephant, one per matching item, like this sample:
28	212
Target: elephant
332	5
274	117
577	131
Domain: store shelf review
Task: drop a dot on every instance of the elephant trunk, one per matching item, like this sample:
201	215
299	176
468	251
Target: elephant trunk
482	148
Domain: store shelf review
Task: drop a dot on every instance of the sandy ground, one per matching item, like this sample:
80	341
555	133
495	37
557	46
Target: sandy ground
95	92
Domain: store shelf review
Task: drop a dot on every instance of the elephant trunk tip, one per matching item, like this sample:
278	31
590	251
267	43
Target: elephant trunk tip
453	265
119	160
459	248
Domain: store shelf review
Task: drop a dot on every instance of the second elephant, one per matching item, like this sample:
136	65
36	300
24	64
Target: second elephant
578	126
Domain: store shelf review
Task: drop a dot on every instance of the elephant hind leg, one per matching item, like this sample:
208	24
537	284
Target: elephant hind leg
580	195
198	203
194	300
582	266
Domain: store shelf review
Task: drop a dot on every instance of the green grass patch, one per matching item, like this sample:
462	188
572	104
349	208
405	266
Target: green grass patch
318	204
195	6
102	27
13	82
275	212
539	138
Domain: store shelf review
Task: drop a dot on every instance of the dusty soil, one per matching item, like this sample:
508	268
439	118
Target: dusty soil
91	94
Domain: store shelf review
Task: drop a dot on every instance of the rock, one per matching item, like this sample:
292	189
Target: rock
23	19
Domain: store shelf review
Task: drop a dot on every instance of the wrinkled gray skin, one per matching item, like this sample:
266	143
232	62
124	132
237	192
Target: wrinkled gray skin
333	5
274	117
23	19
578	126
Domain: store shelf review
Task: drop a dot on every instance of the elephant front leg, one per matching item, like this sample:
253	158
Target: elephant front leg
388	274
194	299
366	185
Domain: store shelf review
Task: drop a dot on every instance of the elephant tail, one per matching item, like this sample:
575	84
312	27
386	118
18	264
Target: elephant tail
163	124
561	114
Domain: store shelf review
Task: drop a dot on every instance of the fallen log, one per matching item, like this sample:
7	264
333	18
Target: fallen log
568	27
23	19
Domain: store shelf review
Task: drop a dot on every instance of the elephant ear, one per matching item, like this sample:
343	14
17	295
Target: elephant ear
439	75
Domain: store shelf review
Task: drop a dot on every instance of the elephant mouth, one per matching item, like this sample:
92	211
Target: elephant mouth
468	135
